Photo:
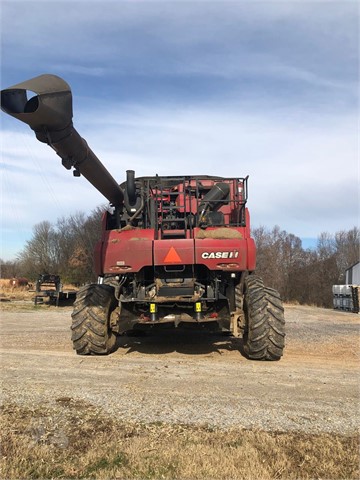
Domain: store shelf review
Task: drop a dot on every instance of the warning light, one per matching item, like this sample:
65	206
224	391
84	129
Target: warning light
198	311
153	312
172	256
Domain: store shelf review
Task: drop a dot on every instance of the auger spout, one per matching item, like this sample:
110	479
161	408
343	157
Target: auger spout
49	114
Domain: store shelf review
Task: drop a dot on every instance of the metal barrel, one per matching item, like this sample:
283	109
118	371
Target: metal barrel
49	113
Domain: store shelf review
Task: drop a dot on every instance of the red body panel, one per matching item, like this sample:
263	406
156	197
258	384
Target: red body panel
251	254
174	252
221	254
127	251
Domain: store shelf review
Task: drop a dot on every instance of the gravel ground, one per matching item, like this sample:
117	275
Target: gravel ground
180	377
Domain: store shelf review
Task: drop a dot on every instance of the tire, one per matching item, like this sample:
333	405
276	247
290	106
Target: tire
264	335
91	334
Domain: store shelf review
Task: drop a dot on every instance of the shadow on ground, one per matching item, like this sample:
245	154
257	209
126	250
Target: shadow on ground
189	342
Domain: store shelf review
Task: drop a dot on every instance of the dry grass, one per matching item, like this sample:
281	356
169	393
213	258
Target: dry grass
19	298
72	439
9	292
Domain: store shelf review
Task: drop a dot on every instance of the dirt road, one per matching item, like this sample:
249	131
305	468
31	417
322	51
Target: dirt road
178	377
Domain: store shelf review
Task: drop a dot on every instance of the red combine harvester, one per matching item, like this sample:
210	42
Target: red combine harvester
174	249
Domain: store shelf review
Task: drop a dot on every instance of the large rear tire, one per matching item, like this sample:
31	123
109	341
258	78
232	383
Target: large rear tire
91	333
264	335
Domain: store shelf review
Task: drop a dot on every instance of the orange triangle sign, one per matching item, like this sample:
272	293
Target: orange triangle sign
172	256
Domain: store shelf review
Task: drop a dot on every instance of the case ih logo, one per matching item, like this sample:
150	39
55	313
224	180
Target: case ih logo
233	254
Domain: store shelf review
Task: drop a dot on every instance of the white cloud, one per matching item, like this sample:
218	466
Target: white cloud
297	174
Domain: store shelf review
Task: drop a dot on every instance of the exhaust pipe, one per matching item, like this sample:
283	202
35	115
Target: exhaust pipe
49	114
214	198
130	186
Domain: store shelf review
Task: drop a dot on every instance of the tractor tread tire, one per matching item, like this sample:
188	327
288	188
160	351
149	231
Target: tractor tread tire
264	337
91	334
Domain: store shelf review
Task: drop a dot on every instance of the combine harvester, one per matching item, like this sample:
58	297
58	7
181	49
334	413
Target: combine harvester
174	249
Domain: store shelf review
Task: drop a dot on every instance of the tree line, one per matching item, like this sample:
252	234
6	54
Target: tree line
64	248
301	275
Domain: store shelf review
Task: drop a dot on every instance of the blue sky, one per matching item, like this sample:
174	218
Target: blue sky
266	89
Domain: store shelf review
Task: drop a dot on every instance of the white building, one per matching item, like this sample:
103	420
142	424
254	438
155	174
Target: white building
352	275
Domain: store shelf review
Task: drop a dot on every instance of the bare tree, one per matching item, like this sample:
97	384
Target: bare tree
81	261
347	244
40	253
305	276
10	269
76	239
279	257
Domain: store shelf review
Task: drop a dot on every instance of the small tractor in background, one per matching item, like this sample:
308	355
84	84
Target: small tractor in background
174	250
47	286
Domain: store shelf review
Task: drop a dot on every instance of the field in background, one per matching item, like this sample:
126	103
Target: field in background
8	292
